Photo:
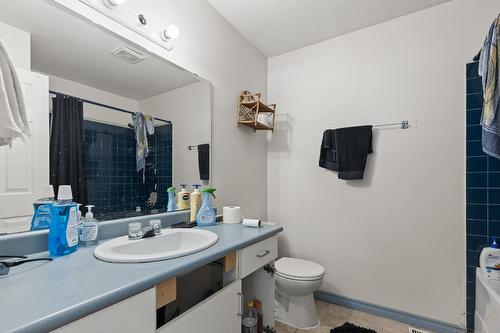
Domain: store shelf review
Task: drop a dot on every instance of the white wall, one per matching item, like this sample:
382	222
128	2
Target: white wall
210	47
188	108
17	42
396	239
93	112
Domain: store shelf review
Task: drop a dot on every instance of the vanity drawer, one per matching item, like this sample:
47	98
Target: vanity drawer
257	255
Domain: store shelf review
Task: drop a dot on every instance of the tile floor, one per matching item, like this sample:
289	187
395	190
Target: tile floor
331	316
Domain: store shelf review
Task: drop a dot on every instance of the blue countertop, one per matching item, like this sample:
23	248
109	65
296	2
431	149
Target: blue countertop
49	295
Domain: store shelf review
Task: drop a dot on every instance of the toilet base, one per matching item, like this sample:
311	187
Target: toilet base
296	311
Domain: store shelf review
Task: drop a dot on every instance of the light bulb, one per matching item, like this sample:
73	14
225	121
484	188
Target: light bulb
172	31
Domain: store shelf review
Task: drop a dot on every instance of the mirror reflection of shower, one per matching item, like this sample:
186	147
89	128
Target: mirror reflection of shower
113	182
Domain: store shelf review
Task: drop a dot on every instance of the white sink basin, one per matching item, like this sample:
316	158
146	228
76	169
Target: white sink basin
170	244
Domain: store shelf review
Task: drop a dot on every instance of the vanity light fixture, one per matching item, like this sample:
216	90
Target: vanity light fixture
112	3
168	35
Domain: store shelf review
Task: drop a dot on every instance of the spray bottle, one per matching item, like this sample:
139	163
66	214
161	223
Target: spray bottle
206	215
172	204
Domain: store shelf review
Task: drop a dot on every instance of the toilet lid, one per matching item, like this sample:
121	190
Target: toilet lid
298	268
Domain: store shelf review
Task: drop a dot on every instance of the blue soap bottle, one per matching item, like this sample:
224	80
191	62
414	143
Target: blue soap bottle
63	231
172	204
206	214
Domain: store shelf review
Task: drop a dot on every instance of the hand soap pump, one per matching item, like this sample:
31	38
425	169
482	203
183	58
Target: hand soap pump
172	205
89	228
489	261
183	198
206	215
41	215
63	231
195	203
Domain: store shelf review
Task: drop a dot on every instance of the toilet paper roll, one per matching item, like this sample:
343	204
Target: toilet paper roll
251	223
231	214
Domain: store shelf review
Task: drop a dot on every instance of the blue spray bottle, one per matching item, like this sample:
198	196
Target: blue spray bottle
172	204
206	214
63	230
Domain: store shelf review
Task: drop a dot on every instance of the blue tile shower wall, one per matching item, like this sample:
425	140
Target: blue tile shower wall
113	184
482	187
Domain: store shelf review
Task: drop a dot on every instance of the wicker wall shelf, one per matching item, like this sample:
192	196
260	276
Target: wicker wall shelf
255	114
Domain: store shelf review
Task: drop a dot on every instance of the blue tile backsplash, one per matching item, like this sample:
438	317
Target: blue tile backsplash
113	184
483	188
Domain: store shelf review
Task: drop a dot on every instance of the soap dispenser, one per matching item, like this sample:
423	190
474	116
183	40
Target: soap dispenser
489	260
41	215
194	202
89	228
183	198
206	215
172	204
63	231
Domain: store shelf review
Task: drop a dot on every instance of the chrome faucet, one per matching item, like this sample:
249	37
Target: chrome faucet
136	231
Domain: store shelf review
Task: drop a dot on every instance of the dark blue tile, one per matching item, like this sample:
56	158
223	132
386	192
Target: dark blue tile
474	101
471	290
477	180
471	274
470	322
476	196
493	164
474	117
494	212
473	258
494	196
477	227
476	243
494	179
474	85
474	148
494	229
476	164
470	305
474	132
472	70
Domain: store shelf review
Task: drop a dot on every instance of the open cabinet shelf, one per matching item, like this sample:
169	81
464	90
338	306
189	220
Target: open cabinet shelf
255	114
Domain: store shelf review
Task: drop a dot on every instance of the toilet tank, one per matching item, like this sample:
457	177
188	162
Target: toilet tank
487	315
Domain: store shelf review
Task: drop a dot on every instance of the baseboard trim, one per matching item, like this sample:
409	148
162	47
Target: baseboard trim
408	318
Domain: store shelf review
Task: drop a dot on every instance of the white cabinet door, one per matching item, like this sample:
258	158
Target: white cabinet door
217	314
136	314
24	167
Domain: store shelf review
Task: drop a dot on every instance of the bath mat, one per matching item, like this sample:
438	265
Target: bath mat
351	328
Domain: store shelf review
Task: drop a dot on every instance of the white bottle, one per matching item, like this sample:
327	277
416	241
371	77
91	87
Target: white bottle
489	261
89	228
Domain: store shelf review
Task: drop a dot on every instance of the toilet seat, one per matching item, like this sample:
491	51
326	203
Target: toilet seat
299	269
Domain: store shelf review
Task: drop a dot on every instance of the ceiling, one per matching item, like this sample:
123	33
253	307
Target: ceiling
279	26
66	46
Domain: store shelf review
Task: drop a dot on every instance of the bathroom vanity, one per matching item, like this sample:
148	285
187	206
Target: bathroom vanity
79	293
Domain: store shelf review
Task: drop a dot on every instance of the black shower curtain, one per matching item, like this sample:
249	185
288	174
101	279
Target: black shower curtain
67	159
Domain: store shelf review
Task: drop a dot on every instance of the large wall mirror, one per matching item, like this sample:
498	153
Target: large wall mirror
118	124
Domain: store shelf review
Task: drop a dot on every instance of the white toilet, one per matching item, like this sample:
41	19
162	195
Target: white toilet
296	280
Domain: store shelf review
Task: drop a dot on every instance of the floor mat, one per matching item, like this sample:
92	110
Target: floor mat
351	328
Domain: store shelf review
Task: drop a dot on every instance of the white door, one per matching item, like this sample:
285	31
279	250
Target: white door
217	314
24	167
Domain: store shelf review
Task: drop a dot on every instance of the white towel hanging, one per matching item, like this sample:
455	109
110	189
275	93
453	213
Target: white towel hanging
13	118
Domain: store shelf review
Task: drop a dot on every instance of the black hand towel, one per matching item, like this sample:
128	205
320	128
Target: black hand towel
328	151
353	146
204	161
